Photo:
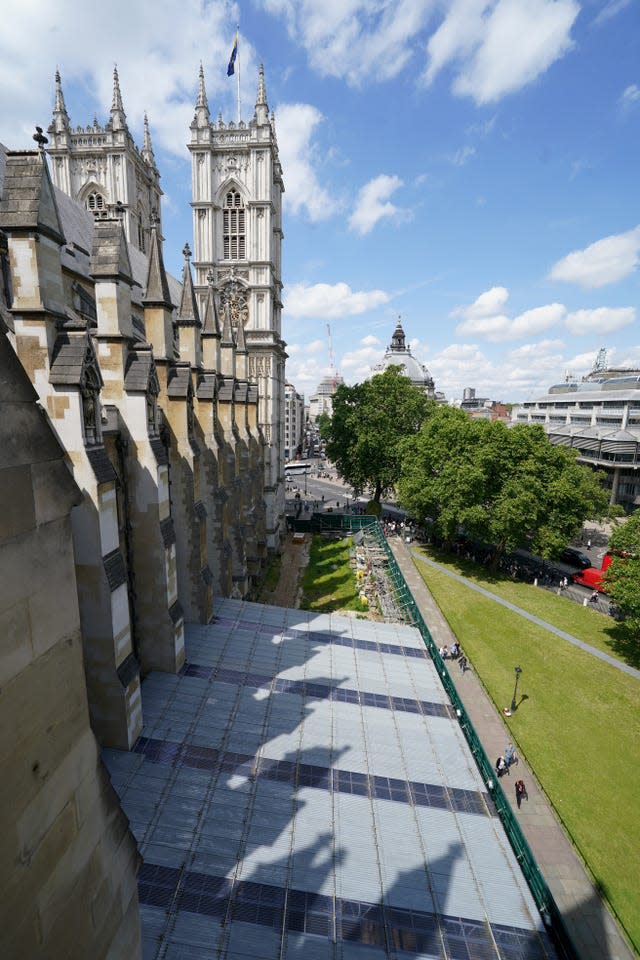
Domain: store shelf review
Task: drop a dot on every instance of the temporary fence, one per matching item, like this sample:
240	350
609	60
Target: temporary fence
319	523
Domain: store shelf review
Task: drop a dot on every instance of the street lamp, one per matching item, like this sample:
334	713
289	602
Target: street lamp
514	705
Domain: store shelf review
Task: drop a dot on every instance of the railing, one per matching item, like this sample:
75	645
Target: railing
319	523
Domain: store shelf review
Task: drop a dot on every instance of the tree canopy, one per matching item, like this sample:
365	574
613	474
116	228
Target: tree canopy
369	423
510	487
623	576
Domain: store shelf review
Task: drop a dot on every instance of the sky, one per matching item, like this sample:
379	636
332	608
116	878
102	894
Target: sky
468	165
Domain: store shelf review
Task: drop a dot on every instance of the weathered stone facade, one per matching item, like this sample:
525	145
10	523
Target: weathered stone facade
68	860
139	479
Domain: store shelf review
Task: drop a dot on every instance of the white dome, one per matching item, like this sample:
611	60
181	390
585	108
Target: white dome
398	354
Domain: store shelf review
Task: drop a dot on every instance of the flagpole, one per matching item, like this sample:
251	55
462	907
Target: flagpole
238	36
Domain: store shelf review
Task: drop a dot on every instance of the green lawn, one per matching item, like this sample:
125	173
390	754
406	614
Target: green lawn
579	726
596	629
329	582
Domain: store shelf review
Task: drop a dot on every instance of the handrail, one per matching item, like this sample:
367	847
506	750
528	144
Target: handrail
541	893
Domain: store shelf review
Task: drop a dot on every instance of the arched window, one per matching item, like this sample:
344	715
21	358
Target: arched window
96	202
233	226
140	228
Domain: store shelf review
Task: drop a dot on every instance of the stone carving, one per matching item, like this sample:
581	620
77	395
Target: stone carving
233	294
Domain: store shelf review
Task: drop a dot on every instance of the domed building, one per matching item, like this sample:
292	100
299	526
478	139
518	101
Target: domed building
398	354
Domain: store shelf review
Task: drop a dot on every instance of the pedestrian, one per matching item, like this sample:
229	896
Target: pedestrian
588	544
501	766
510	754
462	663
521	792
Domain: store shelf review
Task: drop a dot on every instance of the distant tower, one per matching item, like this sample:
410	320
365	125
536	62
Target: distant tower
600	362
398	354
102	168
237	228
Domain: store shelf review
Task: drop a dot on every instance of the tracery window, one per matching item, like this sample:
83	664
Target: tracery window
234	226
96	202
140	229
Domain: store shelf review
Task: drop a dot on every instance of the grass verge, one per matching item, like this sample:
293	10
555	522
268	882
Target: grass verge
594	628
578	725
329	581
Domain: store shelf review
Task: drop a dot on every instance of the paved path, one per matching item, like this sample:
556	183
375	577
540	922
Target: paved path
593	930
612	661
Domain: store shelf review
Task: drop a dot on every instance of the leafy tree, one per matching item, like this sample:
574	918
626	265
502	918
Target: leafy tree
623	576
369	423
510	487
324	422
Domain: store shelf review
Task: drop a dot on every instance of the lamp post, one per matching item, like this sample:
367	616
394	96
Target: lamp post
514	705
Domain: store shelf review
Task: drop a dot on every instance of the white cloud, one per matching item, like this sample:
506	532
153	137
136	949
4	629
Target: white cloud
630	96
314	346
603	262
499	47
355	39
355	361
370	341
330	301
461	156
600	320
610	10
486	318
372	203
296	124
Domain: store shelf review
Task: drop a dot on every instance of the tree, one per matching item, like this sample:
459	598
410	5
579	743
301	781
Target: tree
509	487
622	578
369	422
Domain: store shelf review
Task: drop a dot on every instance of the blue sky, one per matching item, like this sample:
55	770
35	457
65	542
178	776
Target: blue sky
470	165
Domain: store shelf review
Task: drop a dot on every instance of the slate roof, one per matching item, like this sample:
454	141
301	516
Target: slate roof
114	568
28	199
206	389
102	466
179	380
109	254
226	389
71	352
139	369
159	451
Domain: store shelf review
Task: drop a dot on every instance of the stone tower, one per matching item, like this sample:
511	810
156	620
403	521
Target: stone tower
237	192
102	168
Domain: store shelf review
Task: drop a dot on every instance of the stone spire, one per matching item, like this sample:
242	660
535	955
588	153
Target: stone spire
188	314
242	354
211	329
147	147
262	107
201	118
61	122
118	116
211	325
227	346
157	292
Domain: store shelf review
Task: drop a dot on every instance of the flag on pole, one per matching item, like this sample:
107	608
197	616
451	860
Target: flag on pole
232	59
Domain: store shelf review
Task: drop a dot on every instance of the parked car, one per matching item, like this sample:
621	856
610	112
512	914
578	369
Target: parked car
574	558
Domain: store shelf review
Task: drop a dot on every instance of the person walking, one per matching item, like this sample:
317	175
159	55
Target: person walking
521	792
462	663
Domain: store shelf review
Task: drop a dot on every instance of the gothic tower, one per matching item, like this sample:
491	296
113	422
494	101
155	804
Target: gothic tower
102	168
237	228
